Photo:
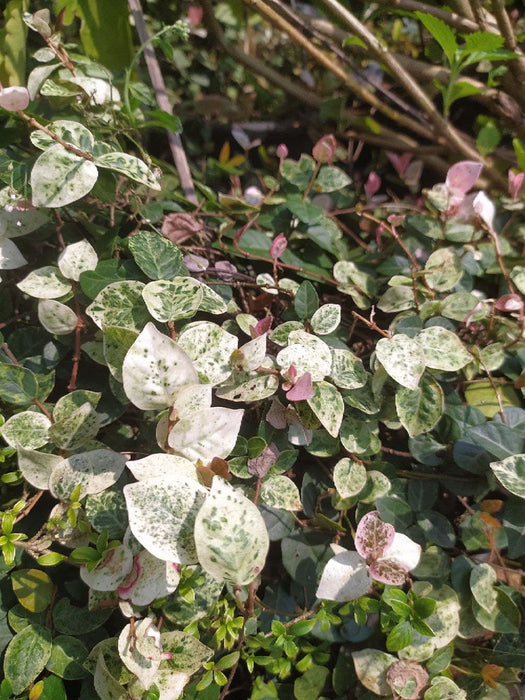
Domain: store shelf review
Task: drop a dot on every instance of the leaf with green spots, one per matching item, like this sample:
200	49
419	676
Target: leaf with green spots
209	347
129	165
306	353
174	299
326	319
18	386
205	434
442	349
26	656
349	477
73	620
45	283
76	429
482	581
420	409
511	473
154	369
230	535
56	318
504	617
117	341
443	269
157	257
74	133
36	467
347	370
327	404
162	514
119	304
60	177
403	359
94	471
281	492
27	429
187	653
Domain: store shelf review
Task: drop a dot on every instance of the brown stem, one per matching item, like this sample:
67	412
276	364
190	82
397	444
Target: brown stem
372	325
78	340
157	80
69	147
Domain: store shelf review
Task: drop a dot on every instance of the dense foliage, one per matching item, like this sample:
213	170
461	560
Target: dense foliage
262	413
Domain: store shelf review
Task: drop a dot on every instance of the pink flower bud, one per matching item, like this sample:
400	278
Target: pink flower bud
372	185
324	150
509	302
515	183
400	162
278	246
282	151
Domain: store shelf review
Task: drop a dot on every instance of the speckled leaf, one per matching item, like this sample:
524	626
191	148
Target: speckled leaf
443	269
349	477
230	535
307	354
105	685
154	368
403	359
482	580
371	666
206	434
359	437
116	343
161	463
212	303
36	467
327	404
191	398
209	347
345	577
442	349
188	654
442	688
170	683
326	319
511	473
77	258
396	299
27	429
68	403
504	618
74	430
45	283
107	575
67	657
72	132
162	514
174	299
373	536
94	471
281	334
119	304
248	386
129	165
156	256
60	177
26	656
139	651
56	318
347	370
420	409
281	492
251	355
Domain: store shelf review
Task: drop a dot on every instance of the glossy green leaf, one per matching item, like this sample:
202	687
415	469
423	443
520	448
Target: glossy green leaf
306	300
26	656
33	589
156	256
420	409
67	658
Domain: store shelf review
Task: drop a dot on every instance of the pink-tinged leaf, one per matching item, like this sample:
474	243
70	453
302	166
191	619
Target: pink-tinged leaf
14	99
276	416
278	246
399	161
324	150
408	676
509	302
373	536
194	15
195	263
260	466
282	151
462	176
225	270
403	551
262	326
515	183
302	390
484	208
389	572
372	185
289	377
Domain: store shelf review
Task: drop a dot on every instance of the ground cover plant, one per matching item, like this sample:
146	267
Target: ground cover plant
261	407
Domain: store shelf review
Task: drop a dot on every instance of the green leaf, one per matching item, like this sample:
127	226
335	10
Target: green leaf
13	44
119	304
92	282
403	359
310	685
331	179
484	395
306	300
326	319
73	620
505	616
482	41
441	32
420	409
105	33
18	386
157	257
26	656
117	342
437	529
33	588
400	636
230	535
306	212
327	404
173	300
511	473
67	658
443	269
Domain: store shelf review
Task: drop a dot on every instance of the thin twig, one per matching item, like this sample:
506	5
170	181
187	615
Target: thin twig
157	80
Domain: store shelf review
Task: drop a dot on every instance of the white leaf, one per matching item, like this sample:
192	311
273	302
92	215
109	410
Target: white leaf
95	471
161	464
162	513
403	359
345	577
129	165
484	208
151	578
45	283
60	177
27	429
230	535
154	369
403	551
56	318
209	347
206	434
77	258
306	353
115	566
36	467
14	98
139	652
251	355
10	256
